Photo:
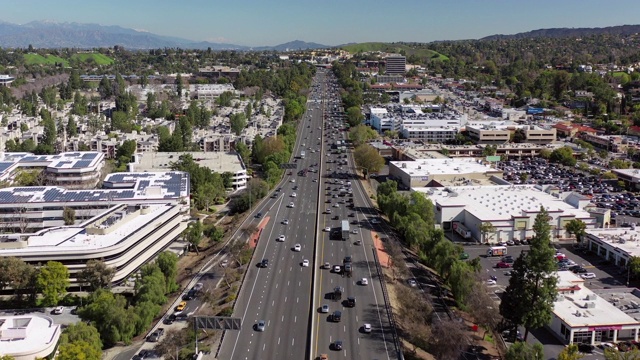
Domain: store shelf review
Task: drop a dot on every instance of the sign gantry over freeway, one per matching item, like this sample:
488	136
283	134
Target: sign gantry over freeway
217	322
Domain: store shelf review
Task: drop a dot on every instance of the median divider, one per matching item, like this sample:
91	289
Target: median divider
253	242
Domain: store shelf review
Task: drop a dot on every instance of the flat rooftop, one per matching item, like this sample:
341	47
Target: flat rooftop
217	161
27	334
78	161
460	166
584	308
625	239
120	187
501	202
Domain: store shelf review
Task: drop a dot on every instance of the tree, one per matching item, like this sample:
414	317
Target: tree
361	134
614	354
72	127
449	340
193	233
576	227
96	274
634	267
368	157
238	122
88	336
354	116
69	215
52	281
151	287
109	314
179	86
563	155
528	300
168	263
570	353
486	228
78	350
523	351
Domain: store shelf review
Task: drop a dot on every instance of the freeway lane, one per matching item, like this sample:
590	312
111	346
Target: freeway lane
281	293
370	307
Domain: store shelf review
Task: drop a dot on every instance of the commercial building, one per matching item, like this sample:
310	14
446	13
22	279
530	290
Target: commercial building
395	65
70	169
416	151
581	316
616	245
28	337
217	161
126	224
441	172
501	132
631	177
211	91
429	127
510	209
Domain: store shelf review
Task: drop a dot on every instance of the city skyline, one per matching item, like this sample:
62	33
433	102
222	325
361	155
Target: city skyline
253	23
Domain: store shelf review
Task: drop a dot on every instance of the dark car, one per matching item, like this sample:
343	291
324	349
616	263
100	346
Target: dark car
336	316
351	302
586	348
169	319
580	270
337	345
264	263
258	215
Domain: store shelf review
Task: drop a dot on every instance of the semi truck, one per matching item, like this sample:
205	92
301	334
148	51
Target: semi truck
345	230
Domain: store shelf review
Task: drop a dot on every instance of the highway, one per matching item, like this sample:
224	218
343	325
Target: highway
280	294
370	306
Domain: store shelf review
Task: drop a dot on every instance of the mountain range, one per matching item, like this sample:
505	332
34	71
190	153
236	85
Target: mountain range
50	34
624	30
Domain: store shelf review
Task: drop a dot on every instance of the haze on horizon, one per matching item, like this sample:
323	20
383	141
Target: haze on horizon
329	22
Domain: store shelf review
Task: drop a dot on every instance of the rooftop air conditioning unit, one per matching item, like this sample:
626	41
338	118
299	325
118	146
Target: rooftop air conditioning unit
590	305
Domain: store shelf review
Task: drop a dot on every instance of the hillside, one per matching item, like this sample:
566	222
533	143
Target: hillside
624	30
394	48
99	59
37	59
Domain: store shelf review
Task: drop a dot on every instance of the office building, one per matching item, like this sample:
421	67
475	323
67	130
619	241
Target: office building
395	65
28	337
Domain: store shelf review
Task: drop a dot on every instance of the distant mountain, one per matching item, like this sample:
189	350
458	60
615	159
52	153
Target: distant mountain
50	34
569	32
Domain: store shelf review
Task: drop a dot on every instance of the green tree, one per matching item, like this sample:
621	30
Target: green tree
563	155
354	116
52	281
524	351
72	127
570	353
168	263
361	134
87	333
179	86
151	287
486	228
367	156
614	354
238	122
78	350
634	267
576	227
109	314
528	300
69	215
96	274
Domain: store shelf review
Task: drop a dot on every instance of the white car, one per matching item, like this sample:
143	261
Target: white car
285	222
315	180
324	309
305	263
364	281
281	238
354	231
336	205
58	310
291	205
327	229
491	282
297	247
588	276
328	211
292	180
366	328
294	194
337	268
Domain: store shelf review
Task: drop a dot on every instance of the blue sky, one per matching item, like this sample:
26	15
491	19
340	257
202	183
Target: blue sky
329	22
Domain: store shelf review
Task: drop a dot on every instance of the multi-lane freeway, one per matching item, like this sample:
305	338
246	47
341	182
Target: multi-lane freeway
280	304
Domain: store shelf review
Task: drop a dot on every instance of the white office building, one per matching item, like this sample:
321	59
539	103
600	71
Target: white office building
28	337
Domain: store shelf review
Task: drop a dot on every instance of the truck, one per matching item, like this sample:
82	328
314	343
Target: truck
497	251
302	154
345	230
462	230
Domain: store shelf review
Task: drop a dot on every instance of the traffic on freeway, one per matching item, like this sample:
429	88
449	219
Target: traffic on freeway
281	299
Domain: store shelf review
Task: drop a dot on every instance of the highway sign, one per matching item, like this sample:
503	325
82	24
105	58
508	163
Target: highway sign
288	166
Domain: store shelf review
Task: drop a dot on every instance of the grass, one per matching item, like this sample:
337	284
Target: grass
99	59
396	48
37	59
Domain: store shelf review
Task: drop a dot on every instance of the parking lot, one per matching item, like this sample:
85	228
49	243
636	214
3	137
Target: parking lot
607	277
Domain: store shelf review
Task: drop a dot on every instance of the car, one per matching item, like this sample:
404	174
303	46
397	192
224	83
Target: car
507	259
285	222
291	205
326	266
190	295
491	282
412	282
294	194
58	310
305	263
327	229
588	276
155	336
264	263
364	281
336	205
198	286
169	319
297	247
354	231
258	215
292	180
374	221
337	269
337	345
324	309
281	238
328	211
224	263
366	328
580	270
352	214
315	180
354	221
181	306
260	325
586	348
503	265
